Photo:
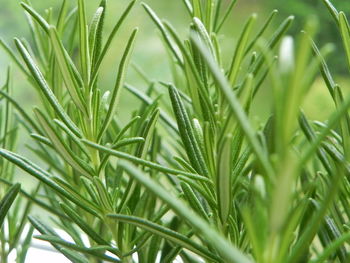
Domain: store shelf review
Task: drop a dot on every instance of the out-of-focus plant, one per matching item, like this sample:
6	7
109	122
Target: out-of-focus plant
14	236
303	9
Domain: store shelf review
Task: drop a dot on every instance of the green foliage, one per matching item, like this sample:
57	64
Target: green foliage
15	203
189	175
303	9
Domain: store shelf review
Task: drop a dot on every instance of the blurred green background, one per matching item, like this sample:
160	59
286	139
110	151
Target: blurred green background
151	56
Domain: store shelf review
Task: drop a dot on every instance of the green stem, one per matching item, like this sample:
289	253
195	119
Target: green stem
91	135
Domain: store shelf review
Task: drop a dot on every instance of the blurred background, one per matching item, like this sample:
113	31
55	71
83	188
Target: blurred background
150	54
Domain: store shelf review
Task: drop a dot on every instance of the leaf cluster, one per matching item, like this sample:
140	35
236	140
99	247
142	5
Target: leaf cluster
188	176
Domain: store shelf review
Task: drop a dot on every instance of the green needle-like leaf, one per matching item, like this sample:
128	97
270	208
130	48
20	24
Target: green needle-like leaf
44	177
164	32
61	147
168	234
66	69
345	33
146	99
262	30
13	57
7	200
240	50
93	34
332	10
89	251
39	78
119	83
46	230
76	218
225	16
143	162
41	21
84	42
224	182
230	253
109	41
237	110
332	248
187	134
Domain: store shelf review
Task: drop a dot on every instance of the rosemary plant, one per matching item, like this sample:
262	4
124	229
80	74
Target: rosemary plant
189	176
15	236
